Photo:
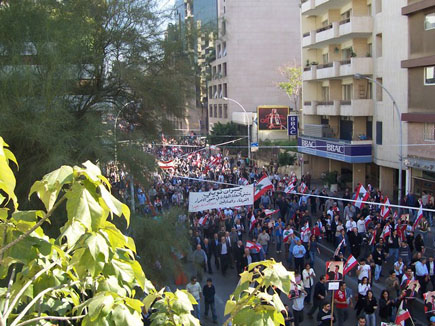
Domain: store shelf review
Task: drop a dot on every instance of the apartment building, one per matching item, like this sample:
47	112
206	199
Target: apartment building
255	39
348	124
420	118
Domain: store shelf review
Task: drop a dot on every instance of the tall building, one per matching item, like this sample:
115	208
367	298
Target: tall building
349	125
420	117
197	25
255	39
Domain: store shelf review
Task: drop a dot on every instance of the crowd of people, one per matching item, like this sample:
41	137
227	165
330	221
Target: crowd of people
391	246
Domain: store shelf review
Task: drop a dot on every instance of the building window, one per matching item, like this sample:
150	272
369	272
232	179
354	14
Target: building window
215	93
220	111
220	91
215	110
379	90
224	51
378	132
211	110
429	131
225	69
347	92
378	45
210	92
325	93
325	58
225	111
378	6
219	51
429	21
429	75
225	90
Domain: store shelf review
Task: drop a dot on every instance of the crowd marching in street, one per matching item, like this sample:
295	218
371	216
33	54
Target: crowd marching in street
293	221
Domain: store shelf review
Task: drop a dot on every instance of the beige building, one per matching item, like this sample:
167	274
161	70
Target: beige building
255	39
420	118
348	124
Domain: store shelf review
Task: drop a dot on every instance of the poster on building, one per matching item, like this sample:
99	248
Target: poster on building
223	198
272	118
292	123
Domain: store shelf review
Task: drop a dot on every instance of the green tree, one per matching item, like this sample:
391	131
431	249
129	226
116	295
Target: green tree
226	132
89	272
293	84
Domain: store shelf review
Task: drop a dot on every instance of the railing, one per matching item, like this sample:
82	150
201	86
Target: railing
325	65
302	1
307	68
345	102
344	21
345	62
325	103
307	103
306	34
325	28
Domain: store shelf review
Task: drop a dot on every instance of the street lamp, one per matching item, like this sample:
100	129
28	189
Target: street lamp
396	107
114	131
249	126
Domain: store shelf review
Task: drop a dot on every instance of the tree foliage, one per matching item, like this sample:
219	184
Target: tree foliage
293	84
89	272
65	66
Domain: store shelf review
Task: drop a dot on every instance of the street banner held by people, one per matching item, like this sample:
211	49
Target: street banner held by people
262	187
222	198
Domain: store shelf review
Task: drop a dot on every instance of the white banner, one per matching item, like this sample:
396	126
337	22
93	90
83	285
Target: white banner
223	198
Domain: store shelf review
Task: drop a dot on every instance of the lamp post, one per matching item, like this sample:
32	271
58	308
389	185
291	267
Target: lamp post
114	131
396	107
249	125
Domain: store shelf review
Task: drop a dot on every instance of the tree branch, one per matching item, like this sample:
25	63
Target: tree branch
36	298
8	292
37	225
50	318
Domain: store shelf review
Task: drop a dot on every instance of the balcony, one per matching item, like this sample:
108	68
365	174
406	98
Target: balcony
310	108
355	151
328	70
318	7
356	108
339	32
356	65
330	108
310	73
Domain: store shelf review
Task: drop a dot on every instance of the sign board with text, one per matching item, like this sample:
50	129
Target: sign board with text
292	125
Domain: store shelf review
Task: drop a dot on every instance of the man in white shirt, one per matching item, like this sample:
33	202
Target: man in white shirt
194	288
364	270
350	224
298	305
361	225
308	276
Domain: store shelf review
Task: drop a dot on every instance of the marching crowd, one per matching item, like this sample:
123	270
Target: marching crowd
293	221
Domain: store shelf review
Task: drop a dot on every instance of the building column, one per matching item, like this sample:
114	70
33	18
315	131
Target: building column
334	166
386	181
358	174
408	182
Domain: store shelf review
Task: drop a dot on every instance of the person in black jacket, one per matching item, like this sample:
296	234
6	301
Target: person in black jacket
386	305
238	251
324	315
208	251
355	240
378	257
208	292
214	243
319	296
370	306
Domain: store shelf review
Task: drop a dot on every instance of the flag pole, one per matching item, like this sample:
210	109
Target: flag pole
410	317
332	308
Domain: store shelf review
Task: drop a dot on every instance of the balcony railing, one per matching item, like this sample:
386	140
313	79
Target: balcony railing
345	61
325	103
325	65
345	102
344	21
325	28
306	34
307	102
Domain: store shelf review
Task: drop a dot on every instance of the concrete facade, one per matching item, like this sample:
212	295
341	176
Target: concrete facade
256	38
420	117
341	38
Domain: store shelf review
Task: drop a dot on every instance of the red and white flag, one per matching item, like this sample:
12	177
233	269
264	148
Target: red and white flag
386	232
361	195
286	235
372	239
367	221
203	220
305	231
262	187
269	212
419	217
385	209
303	188
166	164
337	251
252	223
250	245
395	215
402	315
351	262
290	189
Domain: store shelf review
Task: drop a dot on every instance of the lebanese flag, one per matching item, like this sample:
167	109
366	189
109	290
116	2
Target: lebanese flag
203	220
386	232
290	189
401	228
351	262
269	212
419	217
305	230
367	221
361	195
338	248
252	224
286	234
250	245
303	188
385	210
165	165
372	239
243	181
262	187
402	315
